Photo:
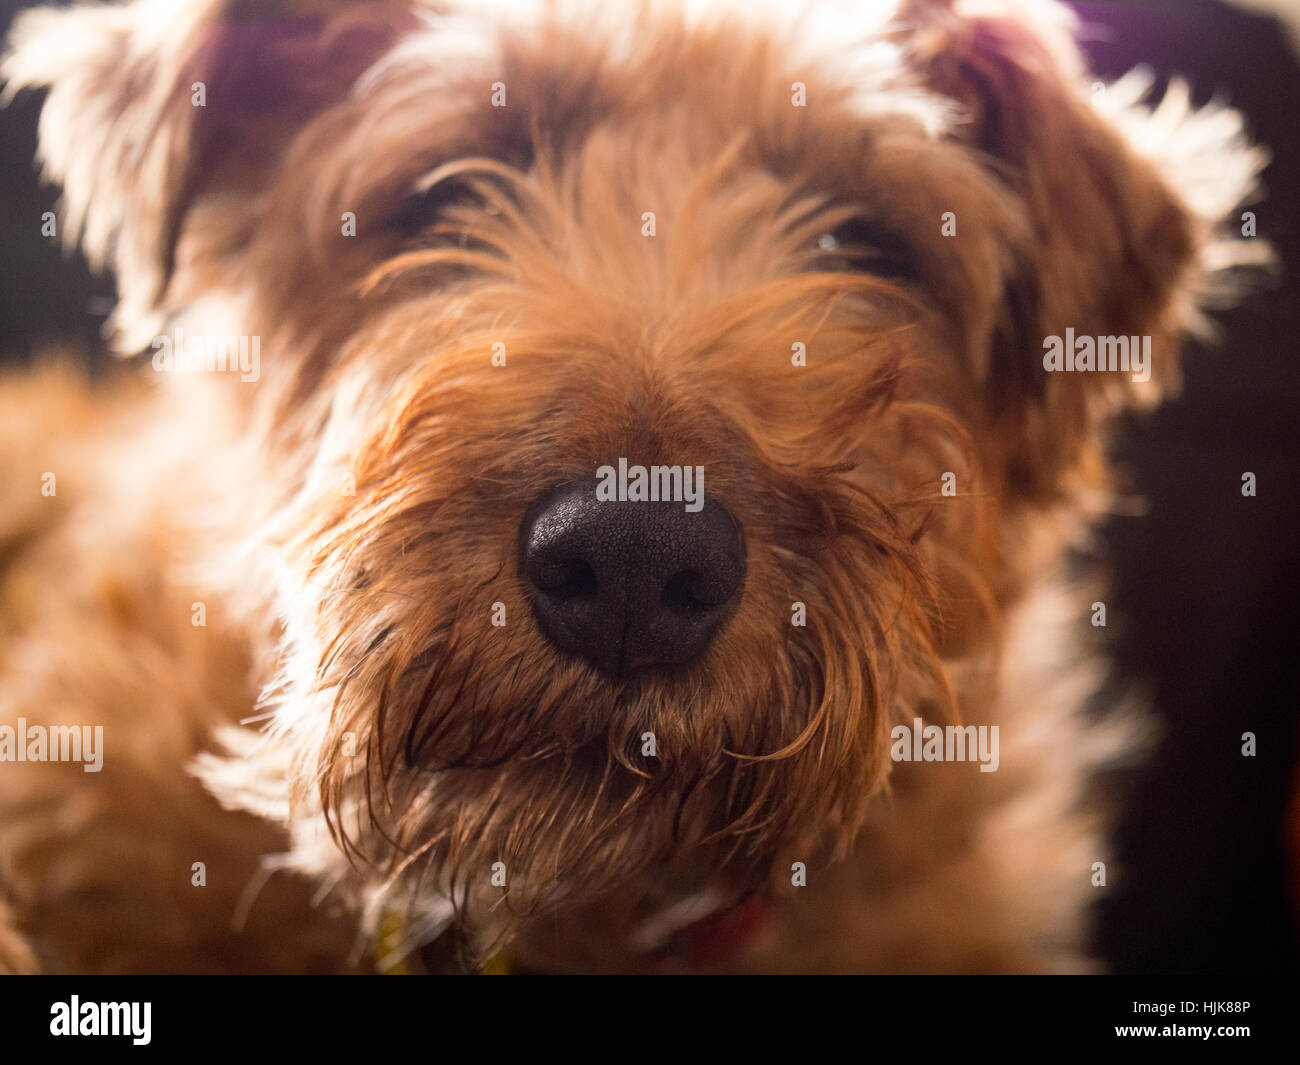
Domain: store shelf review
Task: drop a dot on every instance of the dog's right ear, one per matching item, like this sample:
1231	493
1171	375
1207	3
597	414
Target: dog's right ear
156	103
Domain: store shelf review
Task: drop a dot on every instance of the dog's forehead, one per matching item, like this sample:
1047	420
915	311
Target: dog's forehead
549	59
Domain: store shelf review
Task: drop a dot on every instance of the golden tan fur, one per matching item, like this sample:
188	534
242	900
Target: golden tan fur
350	519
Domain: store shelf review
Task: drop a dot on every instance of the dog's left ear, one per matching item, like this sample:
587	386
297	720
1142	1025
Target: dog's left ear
1129	214
156	103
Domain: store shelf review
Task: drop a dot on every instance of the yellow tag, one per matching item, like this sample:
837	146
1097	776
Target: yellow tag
497	965
392	936
392	933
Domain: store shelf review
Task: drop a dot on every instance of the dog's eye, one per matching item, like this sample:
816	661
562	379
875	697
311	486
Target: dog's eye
428	207
858	245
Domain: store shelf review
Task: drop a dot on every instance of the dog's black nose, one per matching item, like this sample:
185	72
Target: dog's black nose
630	584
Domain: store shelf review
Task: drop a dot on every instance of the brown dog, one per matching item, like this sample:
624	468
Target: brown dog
596	487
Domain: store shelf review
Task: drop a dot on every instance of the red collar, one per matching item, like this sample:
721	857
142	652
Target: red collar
714	938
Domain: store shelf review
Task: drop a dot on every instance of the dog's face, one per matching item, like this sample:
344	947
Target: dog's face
489	255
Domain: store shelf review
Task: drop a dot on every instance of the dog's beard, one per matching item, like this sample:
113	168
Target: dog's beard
445	756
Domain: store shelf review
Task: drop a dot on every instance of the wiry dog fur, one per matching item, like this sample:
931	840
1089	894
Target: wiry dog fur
349	737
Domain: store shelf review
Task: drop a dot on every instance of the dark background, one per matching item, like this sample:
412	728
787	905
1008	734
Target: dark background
1205	600
1206	592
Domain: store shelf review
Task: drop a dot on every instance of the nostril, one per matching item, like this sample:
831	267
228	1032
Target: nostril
679	596
688	594
565	579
